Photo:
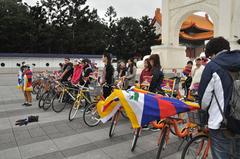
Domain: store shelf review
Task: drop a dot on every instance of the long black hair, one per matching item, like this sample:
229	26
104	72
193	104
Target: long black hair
148	63
132	65
156	60
109	58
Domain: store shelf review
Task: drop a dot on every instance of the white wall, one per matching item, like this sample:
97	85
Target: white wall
10	62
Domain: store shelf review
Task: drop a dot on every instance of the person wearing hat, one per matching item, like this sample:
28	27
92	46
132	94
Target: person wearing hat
27	85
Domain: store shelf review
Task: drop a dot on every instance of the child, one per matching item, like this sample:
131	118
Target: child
27	85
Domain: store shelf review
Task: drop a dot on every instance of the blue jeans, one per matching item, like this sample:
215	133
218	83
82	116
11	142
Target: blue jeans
223	146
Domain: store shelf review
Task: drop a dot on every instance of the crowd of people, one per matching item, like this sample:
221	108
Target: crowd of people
83	71
208	75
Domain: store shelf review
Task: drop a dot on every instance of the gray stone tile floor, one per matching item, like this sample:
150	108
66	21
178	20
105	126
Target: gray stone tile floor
54	137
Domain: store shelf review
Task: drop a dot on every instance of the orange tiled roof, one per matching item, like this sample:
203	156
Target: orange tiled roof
197	36
158	16
202	23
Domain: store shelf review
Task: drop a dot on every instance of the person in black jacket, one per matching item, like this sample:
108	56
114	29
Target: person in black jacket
157	74
108	73
67	70
215	92
157	78
87	71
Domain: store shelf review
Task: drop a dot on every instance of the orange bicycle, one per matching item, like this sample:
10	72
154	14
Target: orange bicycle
184	133
199	145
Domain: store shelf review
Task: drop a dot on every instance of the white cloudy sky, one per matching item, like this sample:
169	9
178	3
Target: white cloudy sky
134	8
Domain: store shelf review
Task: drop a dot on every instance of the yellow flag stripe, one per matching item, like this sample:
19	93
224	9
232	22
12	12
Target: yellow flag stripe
131	115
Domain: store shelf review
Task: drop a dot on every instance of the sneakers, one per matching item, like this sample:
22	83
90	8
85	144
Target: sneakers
154	129
82	109
24	104
28	104
145	127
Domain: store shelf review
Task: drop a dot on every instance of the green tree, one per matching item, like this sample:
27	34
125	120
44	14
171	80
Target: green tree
15	26
147	36
110	32
127	38
38	15
69	26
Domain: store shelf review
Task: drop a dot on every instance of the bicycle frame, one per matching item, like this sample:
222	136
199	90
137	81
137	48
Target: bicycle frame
173	122
81	95
205	155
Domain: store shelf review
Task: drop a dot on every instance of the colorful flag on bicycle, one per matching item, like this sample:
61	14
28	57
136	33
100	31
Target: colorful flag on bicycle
141	106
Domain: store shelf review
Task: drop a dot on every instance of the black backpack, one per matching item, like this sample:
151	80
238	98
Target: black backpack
231	118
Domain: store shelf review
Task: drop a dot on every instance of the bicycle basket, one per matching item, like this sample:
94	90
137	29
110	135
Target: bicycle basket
199	117
95	91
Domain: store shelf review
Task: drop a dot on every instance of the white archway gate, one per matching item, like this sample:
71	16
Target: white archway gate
224	13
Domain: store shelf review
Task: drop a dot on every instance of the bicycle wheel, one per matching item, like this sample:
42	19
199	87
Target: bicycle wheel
113	124
35	89
57	103
135	138
42	100
162	142
195	148
39	93
90	115
73	110
48	100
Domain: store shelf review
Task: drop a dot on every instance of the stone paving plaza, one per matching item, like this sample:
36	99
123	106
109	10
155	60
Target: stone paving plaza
54	137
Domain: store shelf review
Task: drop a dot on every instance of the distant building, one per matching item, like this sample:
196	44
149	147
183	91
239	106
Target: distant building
193	32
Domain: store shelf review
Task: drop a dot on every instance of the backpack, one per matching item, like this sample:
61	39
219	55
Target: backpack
231	118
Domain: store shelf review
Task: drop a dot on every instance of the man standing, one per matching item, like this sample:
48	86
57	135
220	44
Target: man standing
215	91
67	70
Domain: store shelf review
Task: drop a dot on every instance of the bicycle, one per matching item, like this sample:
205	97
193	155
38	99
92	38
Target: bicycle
157	124
61	98
90	114
115	120
82	95
46	99
137	132
44	86
199	145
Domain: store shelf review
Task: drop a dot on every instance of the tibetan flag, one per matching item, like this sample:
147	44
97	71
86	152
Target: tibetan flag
142	107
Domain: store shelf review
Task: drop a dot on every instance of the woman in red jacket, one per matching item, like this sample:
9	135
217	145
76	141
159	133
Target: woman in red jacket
77	72
146	74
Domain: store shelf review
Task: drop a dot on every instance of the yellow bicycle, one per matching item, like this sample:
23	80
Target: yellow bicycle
83	95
